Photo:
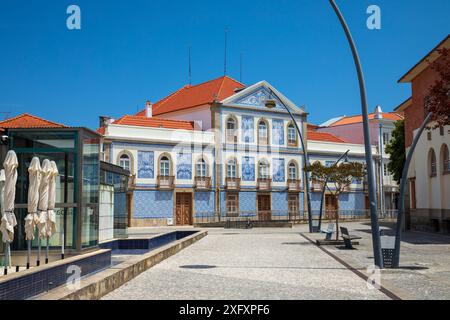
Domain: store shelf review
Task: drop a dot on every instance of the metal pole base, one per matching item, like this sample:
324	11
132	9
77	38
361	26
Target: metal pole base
5	271
17	268
38	263
46	260
62	256
28	265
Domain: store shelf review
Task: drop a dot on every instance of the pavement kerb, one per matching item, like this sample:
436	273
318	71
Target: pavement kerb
95	286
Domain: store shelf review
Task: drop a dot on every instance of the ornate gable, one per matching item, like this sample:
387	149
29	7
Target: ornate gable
258	98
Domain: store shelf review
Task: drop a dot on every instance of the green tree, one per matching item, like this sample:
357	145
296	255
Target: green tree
396	151
341	176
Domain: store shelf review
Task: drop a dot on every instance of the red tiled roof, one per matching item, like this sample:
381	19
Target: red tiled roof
151	122
101	131
198	95
358	119
28	121
323	136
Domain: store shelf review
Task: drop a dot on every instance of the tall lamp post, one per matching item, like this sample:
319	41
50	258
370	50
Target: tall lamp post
345	155
367	143
272	104
379	117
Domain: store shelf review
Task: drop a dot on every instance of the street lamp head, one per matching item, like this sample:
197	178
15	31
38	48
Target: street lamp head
378	114
346	159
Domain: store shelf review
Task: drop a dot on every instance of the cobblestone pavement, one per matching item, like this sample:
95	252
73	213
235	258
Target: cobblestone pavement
248	264
424	262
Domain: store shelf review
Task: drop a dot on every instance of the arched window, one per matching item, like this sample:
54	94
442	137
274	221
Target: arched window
125	162
231	168
231	130
164	166
432	161
263	134
292	134
292	171
264	170
445	159
201	168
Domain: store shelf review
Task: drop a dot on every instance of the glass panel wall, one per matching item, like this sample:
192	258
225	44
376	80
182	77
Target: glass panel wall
90	190
54	146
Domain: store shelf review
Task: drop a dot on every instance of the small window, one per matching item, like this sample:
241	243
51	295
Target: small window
292	134
125	162
433	167
165	167
262	132
429	135
446	160
292	171
231	130
263	170
386	138
231	169
232	205
441	130
386	170
201	168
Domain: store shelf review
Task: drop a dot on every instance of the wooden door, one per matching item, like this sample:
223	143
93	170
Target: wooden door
330	206
264	210
293	204
183	210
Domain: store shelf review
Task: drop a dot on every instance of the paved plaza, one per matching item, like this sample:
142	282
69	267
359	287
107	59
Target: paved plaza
249	264
282	264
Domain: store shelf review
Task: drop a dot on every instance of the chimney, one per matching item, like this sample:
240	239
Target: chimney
105	121
148	109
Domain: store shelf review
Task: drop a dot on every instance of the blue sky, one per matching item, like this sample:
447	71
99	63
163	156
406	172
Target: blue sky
131	51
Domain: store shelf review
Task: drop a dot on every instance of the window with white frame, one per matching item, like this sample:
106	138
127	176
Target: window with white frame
231	169
263	170
125	162
201	168
292	171
164	169
262	131
292	134
231	129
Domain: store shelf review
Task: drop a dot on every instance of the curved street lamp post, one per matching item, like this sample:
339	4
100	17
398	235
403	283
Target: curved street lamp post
367	143
271	104
401	209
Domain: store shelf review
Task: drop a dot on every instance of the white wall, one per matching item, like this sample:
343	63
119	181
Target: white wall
431	192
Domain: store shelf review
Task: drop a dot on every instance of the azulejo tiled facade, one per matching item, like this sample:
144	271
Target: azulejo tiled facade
236	163
146	167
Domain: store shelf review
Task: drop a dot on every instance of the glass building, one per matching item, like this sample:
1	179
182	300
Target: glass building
76	153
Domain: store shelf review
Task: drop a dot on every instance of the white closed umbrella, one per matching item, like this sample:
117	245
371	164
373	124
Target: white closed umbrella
51	216
8	218
32	218
43	204
2	197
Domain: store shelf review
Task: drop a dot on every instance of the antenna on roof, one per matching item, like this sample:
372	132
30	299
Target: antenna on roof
225	53
241	66
190	67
